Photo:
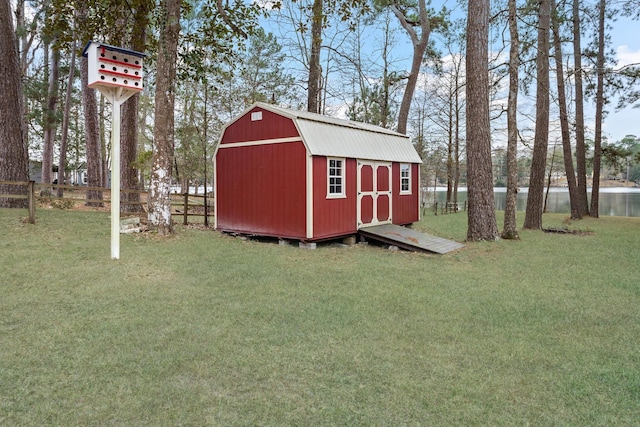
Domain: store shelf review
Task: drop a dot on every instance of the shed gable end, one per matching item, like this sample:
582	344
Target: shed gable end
257	125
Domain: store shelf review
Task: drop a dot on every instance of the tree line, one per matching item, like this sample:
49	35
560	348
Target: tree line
453	80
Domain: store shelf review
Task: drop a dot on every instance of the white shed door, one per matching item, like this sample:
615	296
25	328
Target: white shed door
374	193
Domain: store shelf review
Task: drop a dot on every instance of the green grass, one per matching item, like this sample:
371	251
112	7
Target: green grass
205	329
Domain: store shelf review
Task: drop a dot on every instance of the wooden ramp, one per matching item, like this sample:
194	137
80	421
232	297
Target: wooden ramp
407	238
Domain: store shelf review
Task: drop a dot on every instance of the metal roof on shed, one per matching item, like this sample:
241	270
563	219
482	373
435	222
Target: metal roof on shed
329	136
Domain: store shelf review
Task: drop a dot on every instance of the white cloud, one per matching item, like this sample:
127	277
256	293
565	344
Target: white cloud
265	4
626	56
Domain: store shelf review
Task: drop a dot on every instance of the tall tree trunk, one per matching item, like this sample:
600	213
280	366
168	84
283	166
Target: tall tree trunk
597	141
510	229
129	127
419	43
23	46
450	141
481	214
456	173
62	165
549	176
315	71
104	144
205	141
457	134
581	150
91	125
129	155
163	134
45	78
50	119
92	136
385	107
14	161
564	119
535	198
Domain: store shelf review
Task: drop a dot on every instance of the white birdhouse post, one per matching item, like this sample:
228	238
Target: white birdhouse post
117	73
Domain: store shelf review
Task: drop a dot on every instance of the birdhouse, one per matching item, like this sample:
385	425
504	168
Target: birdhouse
114	67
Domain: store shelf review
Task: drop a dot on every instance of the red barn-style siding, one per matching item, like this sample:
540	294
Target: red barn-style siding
270	126
264	190
406	207
333	216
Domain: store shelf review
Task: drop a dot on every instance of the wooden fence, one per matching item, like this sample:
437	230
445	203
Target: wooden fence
185	205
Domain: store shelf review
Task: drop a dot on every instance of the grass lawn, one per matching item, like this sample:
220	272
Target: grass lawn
206	329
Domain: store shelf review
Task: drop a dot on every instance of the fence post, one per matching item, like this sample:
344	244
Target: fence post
186	208
31	199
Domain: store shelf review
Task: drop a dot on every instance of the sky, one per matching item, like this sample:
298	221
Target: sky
625	42
617	124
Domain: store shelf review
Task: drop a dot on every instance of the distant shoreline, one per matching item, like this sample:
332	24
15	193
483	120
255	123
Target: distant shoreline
609	183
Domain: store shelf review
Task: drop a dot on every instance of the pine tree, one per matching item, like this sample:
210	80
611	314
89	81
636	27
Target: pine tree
13	153
481	212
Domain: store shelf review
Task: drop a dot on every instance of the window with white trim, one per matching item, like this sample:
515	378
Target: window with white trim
335	177
405	178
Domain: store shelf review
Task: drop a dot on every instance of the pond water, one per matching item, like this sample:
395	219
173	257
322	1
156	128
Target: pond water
614	201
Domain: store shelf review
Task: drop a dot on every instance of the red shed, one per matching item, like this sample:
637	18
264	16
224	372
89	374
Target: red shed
298	175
